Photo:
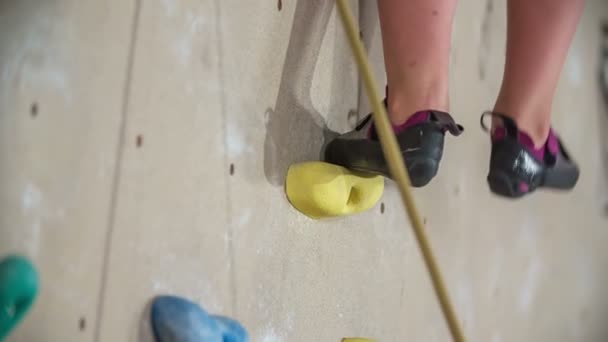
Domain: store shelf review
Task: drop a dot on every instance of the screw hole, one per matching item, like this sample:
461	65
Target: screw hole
280	5
231	169
382	208
489	7
139	140
82	323
34	110
605	28
424	220
352	117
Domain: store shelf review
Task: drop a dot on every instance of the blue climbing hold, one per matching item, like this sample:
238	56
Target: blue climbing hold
232	330
175	319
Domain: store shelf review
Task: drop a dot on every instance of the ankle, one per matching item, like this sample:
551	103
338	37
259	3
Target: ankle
536	130
401	105
398	110
534	120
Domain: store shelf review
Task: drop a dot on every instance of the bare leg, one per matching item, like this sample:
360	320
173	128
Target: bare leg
539	34
416	36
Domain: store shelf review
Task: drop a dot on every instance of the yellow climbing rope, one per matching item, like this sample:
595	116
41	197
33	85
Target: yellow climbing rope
398	172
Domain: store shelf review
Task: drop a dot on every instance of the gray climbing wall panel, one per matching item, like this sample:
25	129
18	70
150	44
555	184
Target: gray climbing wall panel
144	145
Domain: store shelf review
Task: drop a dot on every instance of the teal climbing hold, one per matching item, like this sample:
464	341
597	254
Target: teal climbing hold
18	290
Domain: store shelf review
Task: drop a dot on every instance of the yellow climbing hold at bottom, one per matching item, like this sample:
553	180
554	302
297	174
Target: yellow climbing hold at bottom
356	339
322	190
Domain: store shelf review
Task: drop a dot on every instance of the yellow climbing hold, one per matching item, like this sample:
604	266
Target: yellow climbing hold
322	190
356	339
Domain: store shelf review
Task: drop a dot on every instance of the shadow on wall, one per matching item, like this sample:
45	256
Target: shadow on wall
295	131
368	24
368	21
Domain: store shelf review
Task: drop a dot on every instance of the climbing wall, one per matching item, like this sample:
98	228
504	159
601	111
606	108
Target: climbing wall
63	76
144	146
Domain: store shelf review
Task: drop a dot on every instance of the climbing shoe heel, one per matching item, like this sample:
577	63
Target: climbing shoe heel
423	154
504	177
504	185
421	170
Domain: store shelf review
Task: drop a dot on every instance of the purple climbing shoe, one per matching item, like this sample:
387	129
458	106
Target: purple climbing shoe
420	139
517	168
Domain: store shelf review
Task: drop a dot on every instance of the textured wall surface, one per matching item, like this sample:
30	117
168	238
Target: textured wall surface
144	146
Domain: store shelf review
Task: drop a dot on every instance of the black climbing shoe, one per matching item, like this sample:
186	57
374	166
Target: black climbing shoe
421	146
516	170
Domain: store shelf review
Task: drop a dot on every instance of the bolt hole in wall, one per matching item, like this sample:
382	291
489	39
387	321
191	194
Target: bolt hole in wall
352	117
382	208
231	169
34	110
82	324
279	5
139	141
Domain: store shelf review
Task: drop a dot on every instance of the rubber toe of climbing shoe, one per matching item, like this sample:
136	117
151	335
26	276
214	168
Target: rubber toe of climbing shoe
321	190
563	173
